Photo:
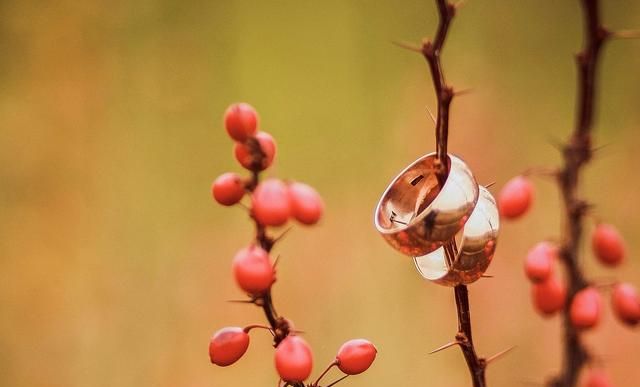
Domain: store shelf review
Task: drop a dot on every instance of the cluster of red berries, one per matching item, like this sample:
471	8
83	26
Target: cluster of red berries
293	356
272	203
549	293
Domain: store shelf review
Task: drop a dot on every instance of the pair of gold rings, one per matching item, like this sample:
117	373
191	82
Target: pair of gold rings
450	231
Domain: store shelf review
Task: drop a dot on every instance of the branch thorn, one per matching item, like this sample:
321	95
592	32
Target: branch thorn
459	4
498	355
625	34
490	184
407	46
242	301
458	93
433	118
442	348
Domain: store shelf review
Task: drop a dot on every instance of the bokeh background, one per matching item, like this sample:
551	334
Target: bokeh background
115	262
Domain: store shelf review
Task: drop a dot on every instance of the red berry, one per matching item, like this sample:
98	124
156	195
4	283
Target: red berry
607	244
294	359
240	120
228	189
248	155
253	270
597	378
228	345
271	203
515	197
626	303
586	308
538	265
355	356
549	296
306	203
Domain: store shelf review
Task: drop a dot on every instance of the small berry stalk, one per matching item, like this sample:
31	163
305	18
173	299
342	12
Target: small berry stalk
575	296
273	203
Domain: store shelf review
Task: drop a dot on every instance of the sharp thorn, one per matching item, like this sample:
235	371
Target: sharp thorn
601	147
275	261
458	93
625	34
459	4
284	233
242	301
442	348
556	143
433	118
486	276
498	355
490	184
407	46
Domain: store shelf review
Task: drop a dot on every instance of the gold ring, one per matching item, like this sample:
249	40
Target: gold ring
415	216
476	248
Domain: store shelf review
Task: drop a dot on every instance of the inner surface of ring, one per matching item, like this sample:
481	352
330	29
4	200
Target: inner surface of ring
410	195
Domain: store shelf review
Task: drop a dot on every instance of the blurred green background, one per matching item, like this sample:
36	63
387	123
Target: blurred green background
115	262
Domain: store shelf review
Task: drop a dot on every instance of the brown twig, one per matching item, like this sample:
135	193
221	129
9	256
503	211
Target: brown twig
475	364
444	95
576	153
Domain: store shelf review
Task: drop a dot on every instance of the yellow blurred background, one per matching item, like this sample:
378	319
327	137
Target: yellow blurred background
115	262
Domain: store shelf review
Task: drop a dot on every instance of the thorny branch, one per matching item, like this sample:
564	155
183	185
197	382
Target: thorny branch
576	153
444	95
280	326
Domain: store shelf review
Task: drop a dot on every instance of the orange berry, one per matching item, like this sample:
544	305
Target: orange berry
515	197
607	244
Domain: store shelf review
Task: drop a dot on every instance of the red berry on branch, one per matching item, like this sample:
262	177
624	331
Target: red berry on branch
538	265
356	356
597	378
294	359
515	197
271	203
549	296
586	308
240	120
228	189
253	270
306	204
228	345
256	153
607	244
626	303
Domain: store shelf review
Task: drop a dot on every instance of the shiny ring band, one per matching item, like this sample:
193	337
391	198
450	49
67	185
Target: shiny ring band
476	248
415	216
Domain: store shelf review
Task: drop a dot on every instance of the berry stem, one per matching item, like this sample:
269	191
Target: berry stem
248	328
331	365
338	381
576	153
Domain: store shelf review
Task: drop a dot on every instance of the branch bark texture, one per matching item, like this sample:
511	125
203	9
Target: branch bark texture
576	154
431	50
